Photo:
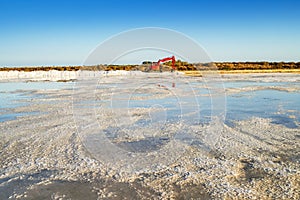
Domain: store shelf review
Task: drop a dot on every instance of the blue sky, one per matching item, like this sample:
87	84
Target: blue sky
62	32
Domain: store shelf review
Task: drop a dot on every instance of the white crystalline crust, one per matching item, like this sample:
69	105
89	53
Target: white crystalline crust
253	159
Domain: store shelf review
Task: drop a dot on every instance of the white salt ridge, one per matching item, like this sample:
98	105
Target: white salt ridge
55	75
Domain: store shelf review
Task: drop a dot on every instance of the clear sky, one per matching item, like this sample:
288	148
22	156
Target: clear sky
62	32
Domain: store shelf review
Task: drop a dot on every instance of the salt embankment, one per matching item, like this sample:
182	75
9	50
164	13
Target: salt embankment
55	75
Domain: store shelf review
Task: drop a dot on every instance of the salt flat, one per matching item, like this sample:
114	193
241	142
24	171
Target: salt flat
157	136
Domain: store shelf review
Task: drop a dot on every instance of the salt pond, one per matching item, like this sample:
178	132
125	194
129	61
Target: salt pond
16	94
278	100
55	153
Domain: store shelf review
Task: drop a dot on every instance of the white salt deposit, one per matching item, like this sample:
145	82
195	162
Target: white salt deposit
42	156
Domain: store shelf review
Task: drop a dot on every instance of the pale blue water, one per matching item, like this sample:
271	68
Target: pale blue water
15	94
281	106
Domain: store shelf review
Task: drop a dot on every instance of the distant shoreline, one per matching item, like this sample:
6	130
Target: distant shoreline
188	68
247	71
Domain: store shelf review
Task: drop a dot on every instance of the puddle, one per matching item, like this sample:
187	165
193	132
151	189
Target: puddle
13	116
146	145
18	94
265	103
19	183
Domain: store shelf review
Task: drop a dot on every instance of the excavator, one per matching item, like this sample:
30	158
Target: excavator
156	65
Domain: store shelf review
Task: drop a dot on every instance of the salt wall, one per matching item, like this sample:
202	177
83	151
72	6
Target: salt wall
54	75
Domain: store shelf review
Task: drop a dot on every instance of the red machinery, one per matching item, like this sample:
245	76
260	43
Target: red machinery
156	65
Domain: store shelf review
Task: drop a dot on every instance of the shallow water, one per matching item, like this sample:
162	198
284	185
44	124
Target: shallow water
194	106
281	106
264	100
17	94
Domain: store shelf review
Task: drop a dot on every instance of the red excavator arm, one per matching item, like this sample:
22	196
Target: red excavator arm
157	64
168	59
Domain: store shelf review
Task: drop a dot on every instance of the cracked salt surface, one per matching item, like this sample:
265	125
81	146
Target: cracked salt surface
43	157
